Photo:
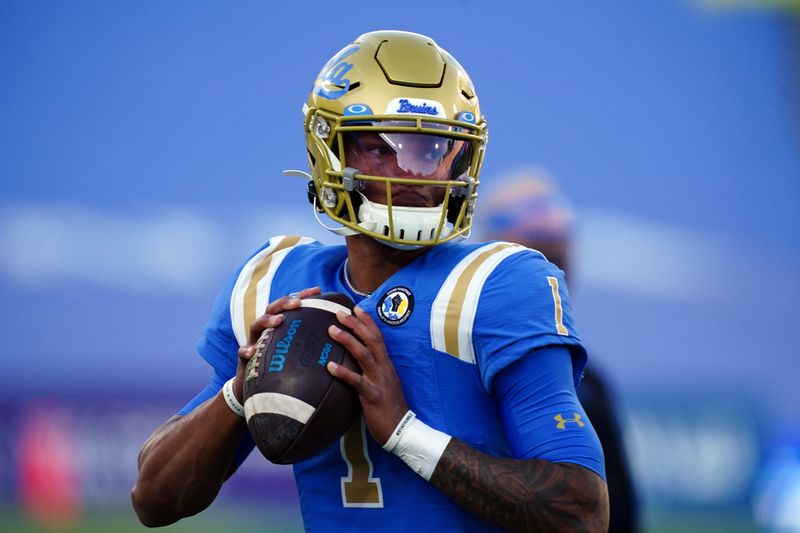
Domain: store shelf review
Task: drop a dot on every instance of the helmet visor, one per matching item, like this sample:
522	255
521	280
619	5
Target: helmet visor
407	155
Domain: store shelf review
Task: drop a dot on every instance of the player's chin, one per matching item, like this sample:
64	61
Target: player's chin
406	202
412	199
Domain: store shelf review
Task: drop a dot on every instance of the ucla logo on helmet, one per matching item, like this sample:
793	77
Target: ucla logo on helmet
396	305
332	83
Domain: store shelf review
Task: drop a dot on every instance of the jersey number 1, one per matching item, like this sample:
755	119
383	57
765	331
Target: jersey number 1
359	488
553	281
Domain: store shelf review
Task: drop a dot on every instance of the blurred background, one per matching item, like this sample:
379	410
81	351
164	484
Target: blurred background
141	150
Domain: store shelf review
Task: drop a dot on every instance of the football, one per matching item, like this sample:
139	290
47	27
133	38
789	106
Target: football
293	406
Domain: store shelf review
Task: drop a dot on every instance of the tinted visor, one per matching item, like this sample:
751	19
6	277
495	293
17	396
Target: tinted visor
407	155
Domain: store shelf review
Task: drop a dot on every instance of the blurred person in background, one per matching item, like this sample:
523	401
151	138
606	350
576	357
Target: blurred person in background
530	210
393	120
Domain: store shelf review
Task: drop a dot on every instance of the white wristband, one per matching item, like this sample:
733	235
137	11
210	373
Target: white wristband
398	431
230	398
417	444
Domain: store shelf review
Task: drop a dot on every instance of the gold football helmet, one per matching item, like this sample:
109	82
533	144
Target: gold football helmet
394	111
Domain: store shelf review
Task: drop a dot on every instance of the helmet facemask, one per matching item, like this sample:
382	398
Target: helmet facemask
404	181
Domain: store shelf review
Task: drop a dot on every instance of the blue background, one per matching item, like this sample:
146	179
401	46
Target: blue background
142	144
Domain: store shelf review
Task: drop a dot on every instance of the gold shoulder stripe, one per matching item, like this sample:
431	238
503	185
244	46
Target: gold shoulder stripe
456	303
251	310
251	293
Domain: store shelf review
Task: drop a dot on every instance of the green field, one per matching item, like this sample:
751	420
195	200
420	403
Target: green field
123	521
280	520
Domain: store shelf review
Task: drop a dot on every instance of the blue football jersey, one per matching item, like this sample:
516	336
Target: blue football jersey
452	320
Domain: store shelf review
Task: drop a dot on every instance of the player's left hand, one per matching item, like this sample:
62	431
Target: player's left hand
378	388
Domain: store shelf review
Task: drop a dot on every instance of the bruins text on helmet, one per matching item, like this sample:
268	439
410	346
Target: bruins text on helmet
401	101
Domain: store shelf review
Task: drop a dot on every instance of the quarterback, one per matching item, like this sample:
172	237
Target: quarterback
469	353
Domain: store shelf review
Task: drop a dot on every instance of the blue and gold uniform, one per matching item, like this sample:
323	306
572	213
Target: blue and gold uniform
483	341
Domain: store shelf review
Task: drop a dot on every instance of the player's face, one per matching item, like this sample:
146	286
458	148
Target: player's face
406	155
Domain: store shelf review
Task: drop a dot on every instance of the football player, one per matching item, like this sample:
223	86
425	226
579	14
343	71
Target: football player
469	352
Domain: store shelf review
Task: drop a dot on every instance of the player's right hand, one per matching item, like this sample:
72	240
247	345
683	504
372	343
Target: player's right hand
270	319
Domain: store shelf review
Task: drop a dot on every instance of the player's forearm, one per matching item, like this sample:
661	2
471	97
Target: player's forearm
185	461
522	495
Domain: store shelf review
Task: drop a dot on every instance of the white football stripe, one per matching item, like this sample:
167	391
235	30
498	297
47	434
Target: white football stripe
325	305
278	404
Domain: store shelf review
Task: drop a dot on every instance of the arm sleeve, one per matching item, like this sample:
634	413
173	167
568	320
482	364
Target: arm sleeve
217	381
541	412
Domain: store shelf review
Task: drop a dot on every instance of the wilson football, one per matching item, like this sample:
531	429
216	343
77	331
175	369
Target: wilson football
293	406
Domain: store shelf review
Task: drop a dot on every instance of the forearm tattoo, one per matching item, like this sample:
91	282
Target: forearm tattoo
523	495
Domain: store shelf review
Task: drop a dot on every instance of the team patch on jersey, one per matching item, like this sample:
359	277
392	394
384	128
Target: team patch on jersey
396	306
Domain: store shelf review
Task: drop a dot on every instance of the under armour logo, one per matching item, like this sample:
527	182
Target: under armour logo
562	422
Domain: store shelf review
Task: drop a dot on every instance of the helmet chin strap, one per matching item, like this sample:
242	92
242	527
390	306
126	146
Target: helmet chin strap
296	174
421	222
343	231
409	223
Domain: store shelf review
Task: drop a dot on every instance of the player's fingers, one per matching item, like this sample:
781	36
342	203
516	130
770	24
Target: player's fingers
370	337
246	352
360	352
258	326
368	331
366	318
284	303
311	291
354	379
352	323
291	301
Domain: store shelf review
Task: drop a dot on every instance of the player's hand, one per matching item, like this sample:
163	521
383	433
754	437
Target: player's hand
270	319
378	388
